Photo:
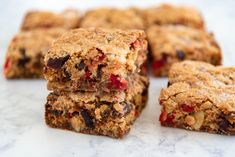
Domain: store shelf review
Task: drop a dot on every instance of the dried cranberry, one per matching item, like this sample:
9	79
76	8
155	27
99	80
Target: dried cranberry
57	63
169	120
163	116
101	57
135	44
144	68
6	64
88	75
187	108
180	54
87	118
158	64
117	83
166	120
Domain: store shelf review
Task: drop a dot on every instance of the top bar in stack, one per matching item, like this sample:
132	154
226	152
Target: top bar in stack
68	19
174	15
95	58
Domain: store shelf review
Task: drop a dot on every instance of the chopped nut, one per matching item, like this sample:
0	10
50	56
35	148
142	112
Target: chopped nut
190	120
199	117
118	107
77	123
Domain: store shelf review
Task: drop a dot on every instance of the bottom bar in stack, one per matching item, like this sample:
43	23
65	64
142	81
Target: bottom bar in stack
109	114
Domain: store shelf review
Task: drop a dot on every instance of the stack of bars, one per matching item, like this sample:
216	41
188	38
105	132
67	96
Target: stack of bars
96	82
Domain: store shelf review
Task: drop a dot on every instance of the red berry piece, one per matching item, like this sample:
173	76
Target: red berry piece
187	108
163	117
6	64
117	83
144	68
88	75
166	120
158	64
136	44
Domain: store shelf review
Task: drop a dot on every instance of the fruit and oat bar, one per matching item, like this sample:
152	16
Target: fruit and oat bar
95	59
167	14
98	113
67	19
199	97
24	58
171	44
112	18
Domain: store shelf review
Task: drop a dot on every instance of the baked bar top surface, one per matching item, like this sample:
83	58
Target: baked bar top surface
113	18
195	83
193	43
24	58
43	19
169	14
33	42
114	43
95	55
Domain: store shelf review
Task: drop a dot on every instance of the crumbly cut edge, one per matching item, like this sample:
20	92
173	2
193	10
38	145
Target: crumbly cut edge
92	121
195	109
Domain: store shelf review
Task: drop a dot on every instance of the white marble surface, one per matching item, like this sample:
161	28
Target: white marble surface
24	133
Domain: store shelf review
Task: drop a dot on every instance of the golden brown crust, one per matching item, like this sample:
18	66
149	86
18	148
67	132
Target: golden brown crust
171	44
174	15
24	58
45	19
112	18
94	56
200	97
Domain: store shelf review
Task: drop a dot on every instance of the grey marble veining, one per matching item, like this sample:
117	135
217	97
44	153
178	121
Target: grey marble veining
24	133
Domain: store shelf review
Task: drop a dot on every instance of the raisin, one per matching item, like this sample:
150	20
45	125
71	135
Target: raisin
56	112
67	76
81	65
22	51
117	83
57	63
99	71
180	54
168	84
23	61
87	118
187	108
223	125
127	108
